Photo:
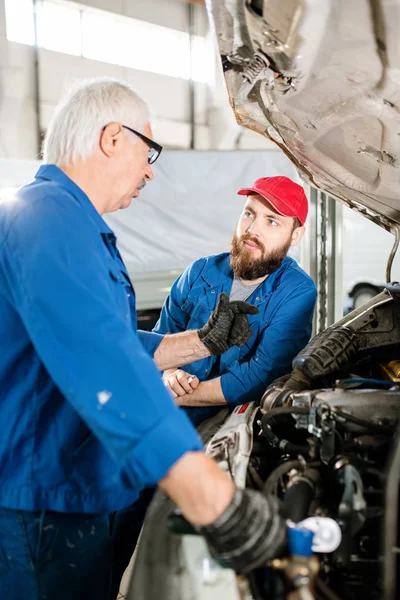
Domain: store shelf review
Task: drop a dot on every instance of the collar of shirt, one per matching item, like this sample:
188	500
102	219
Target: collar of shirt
54	173
221	270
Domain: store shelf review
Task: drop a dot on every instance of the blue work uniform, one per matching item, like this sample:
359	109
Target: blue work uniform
86	420
282	327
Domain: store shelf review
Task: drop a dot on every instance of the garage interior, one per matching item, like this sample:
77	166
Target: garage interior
181	56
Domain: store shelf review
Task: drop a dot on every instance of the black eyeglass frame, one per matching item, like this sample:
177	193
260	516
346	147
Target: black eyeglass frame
151	144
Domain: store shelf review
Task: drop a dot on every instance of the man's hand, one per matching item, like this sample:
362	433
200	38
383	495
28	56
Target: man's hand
227	325
249	532
243	528
179	382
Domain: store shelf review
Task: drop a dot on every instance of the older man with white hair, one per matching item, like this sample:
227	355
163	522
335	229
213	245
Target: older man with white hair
87	422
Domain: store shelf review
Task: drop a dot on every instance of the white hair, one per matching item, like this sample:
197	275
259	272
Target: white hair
88	106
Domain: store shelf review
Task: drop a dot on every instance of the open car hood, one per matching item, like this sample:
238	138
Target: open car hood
322	80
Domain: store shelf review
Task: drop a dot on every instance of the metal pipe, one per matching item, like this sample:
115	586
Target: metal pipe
323	262
192	91
392	254
36	81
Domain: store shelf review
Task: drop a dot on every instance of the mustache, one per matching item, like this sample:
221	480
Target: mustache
142	184
248	238
245	266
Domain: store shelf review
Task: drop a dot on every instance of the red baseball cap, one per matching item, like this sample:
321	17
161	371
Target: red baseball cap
286	196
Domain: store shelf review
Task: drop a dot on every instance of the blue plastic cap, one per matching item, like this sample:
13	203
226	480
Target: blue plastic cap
300	541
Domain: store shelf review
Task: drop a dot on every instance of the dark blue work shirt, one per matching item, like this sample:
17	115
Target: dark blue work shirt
85	419
282	327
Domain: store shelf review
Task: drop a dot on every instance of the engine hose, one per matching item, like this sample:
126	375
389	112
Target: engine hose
329	352
271	485
299	495
281	411
294	449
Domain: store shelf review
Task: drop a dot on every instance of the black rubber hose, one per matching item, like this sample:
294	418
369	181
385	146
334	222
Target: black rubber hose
329	352
282	411
297	501
293	449
271	485
299	496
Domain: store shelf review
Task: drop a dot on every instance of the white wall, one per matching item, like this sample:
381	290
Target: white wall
169	97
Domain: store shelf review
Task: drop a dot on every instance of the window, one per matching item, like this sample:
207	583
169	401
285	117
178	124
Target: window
59	28
160	50
19	21
203	60
99	35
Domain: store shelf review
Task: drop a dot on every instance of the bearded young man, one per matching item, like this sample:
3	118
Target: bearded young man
256	270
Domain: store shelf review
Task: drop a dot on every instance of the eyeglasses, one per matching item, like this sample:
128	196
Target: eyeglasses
154	148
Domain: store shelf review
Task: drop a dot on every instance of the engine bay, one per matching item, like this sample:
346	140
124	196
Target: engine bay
325	441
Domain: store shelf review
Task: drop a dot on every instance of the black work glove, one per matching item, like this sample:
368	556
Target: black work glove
249	532
240	331
227	325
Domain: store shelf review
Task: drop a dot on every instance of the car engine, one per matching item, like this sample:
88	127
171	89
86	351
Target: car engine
325	444
325	440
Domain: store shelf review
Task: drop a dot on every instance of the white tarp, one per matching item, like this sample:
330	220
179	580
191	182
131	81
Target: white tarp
190	209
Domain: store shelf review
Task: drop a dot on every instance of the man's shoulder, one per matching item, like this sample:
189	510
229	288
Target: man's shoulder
213	260
212	266
295	275
50	198
38	207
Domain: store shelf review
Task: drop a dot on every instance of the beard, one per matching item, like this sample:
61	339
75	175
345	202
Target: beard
246	267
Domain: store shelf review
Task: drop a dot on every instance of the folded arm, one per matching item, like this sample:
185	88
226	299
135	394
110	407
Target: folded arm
245	381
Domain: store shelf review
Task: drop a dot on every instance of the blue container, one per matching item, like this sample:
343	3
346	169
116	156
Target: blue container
300	541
